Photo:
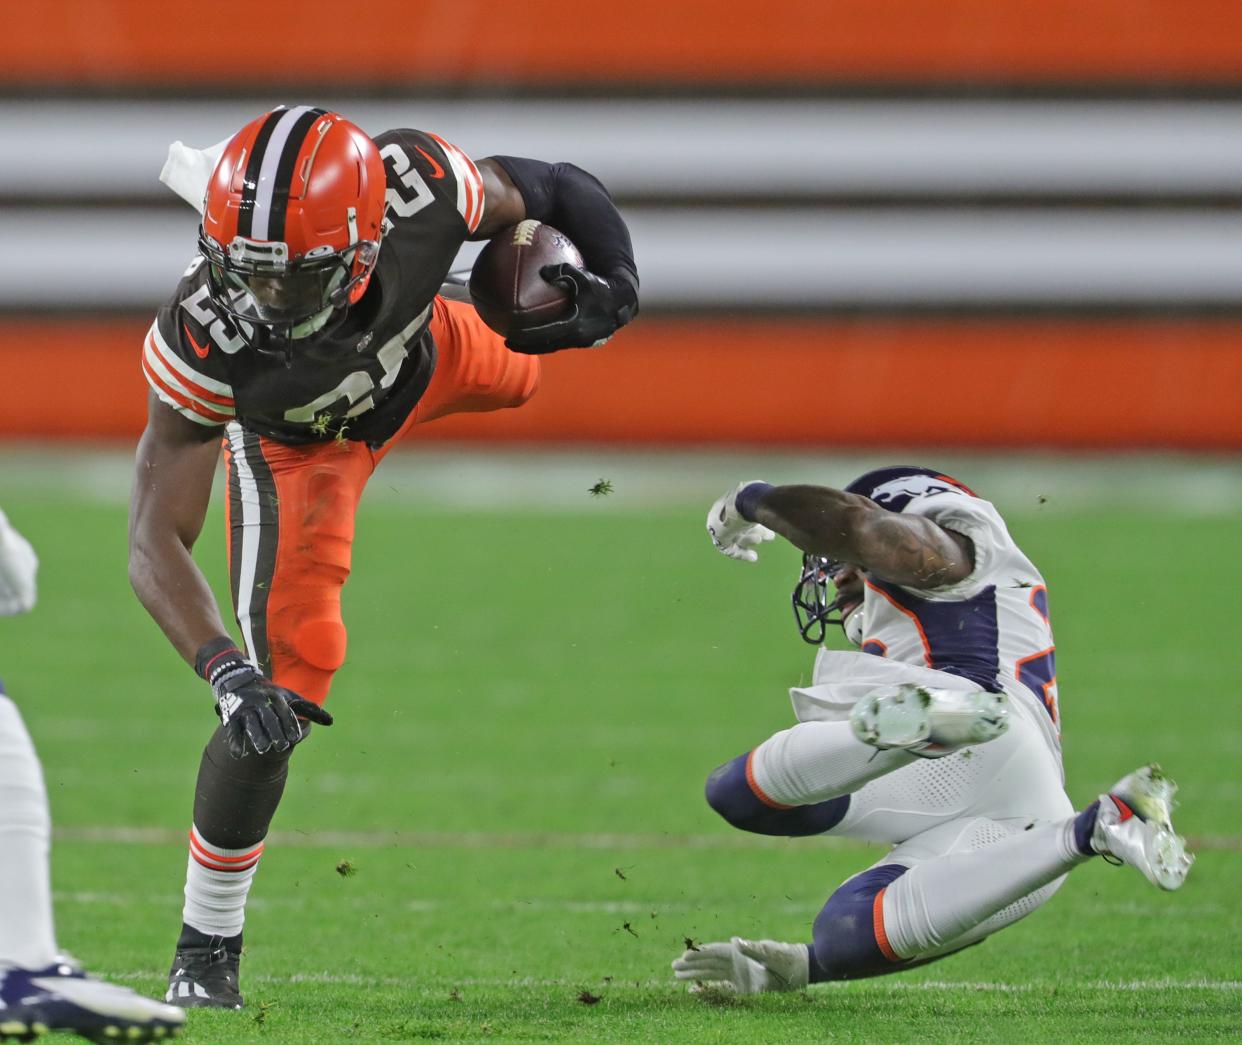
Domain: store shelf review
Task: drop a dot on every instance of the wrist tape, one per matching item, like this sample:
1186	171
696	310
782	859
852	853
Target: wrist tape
748	498
219	662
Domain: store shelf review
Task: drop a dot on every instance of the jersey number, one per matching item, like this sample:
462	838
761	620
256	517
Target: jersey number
196	305
356	388
1038	673
411	179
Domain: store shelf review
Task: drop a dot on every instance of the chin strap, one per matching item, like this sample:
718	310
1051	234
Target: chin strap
313	325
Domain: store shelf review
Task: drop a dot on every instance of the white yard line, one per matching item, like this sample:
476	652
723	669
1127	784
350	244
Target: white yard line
429	986
453	839
483	840
642	912
645	909
1101	985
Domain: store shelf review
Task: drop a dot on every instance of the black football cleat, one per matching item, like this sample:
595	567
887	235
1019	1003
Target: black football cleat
63	998
204	978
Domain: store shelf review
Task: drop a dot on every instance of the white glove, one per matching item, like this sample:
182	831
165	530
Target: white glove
18	564
734	536
746	966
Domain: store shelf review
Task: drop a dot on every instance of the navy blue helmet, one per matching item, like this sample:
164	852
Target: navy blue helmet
896	486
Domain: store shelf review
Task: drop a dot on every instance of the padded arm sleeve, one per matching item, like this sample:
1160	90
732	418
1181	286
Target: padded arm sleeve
575	202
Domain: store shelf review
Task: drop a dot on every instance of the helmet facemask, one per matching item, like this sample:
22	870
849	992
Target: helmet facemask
815	607
274	301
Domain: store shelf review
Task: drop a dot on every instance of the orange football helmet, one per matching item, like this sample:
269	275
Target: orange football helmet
292	223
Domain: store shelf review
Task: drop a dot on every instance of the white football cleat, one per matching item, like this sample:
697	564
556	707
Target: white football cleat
929	722
1135	825
745	966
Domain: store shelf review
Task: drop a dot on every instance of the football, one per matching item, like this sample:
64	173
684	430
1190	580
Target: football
505	285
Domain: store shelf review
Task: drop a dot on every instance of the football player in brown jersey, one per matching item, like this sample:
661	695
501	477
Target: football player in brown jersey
308	336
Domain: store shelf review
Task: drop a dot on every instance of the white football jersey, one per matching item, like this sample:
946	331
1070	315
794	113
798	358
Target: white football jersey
991	628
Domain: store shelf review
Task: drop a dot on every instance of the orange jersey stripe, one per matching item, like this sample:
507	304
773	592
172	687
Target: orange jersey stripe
192	386
468	176
476	184
182	399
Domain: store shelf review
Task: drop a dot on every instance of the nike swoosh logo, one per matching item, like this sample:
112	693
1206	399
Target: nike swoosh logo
199	350
436	170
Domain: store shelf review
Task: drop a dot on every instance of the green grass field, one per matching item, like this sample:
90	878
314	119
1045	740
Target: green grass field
531	702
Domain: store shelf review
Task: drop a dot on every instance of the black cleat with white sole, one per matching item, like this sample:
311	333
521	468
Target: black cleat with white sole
204	978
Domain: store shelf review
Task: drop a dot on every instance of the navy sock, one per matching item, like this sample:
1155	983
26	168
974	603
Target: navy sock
1084	827
816	972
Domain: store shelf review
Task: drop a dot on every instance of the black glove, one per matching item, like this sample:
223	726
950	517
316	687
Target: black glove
600	307
252	707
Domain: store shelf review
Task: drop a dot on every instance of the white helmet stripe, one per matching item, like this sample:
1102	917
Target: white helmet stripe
267	171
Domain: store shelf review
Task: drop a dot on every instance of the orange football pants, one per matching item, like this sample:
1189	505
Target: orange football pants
290	509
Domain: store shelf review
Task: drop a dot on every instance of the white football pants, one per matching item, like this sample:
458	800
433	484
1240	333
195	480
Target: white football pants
945	817
26	936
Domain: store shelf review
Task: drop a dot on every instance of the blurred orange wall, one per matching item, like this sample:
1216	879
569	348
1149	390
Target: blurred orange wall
544	41
865	382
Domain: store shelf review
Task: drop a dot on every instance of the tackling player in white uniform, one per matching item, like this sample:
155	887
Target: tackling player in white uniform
940	737
40	988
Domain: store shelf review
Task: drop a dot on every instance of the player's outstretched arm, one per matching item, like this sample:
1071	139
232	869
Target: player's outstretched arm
605	294
910	550
173	473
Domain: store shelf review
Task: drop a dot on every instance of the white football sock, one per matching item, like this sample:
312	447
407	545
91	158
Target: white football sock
815	761
27	937
217	882
935	905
